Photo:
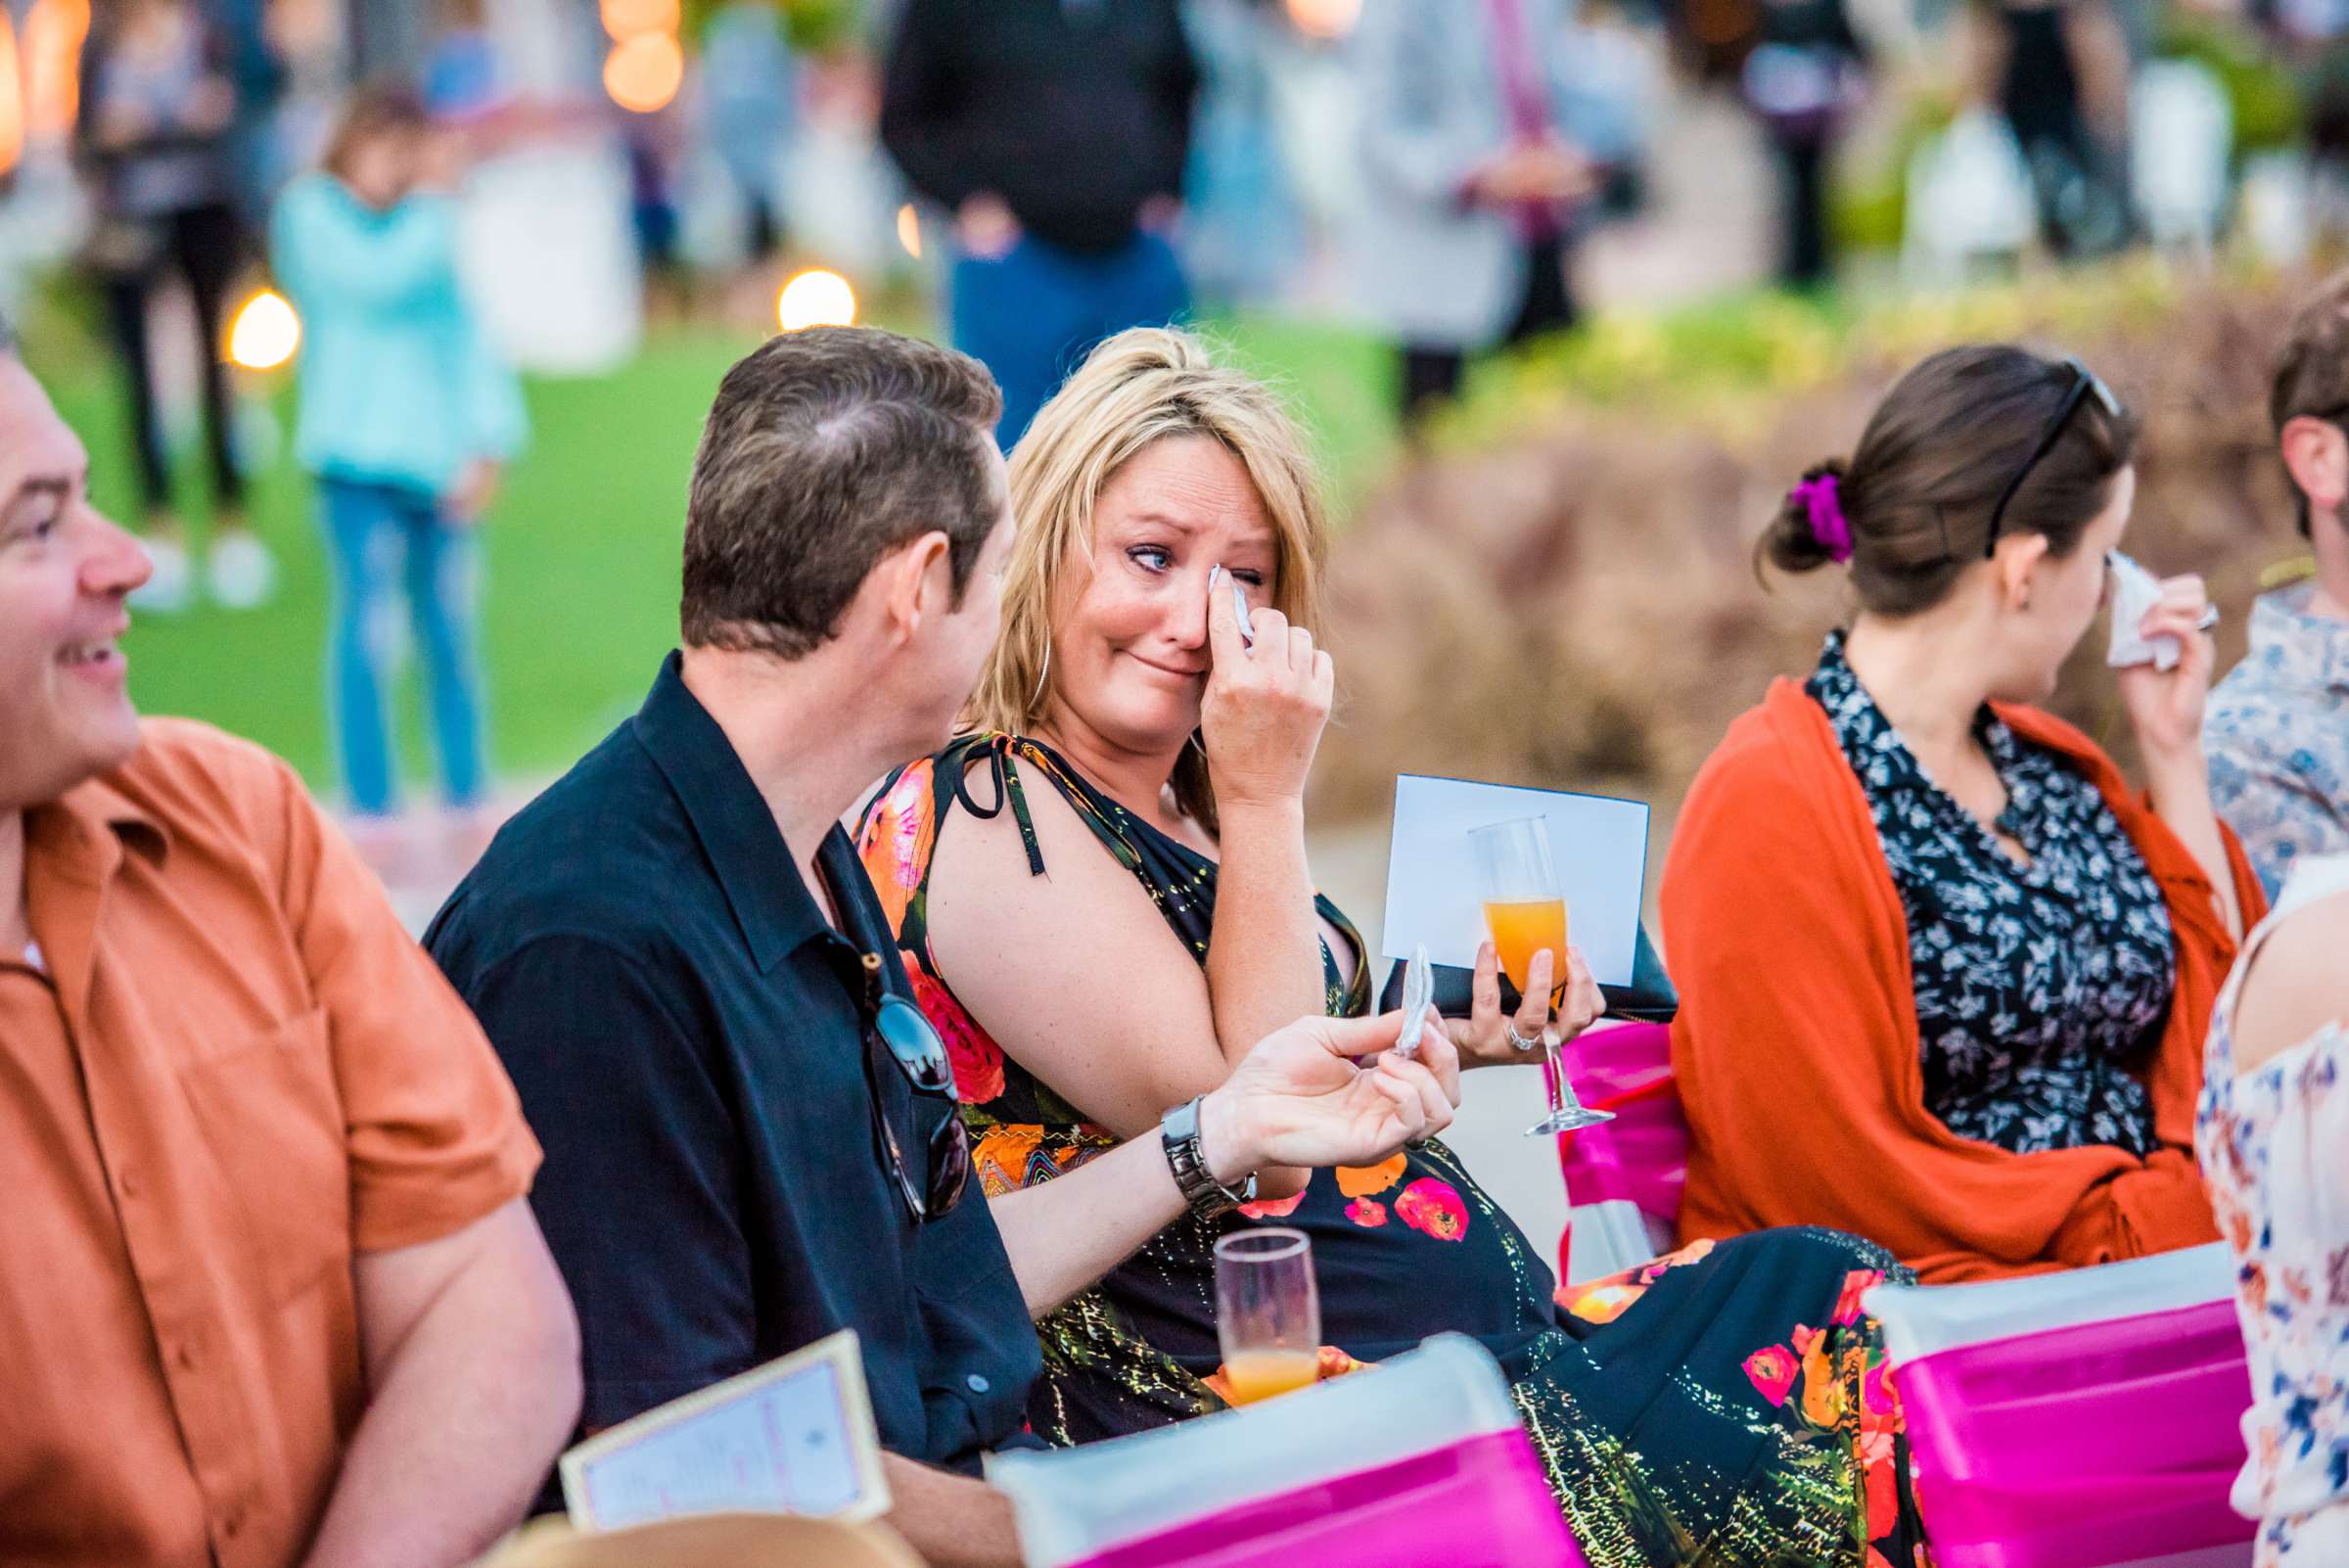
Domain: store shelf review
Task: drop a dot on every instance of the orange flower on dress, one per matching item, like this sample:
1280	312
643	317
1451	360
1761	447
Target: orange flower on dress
1368	1212
1772	1370
1363	1180
978	1061
1272	1208
1822	1389
1604	1302
1433	1207
896	847
1656	1269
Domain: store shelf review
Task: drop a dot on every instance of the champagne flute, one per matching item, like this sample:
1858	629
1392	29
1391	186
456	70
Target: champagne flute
1525	912
1267	1312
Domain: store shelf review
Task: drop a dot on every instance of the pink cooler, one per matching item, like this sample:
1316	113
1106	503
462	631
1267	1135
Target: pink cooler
1419	1462
2088	1419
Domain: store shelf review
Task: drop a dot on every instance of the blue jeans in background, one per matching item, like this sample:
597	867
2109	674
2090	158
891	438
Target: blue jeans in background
1032	315
387	539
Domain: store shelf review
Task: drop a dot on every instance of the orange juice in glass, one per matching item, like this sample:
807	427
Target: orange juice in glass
1253	1375
1526	912
1522	928
1267	1312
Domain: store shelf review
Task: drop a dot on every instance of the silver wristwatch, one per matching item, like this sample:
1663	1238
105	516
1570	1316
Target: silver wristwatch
1209	1198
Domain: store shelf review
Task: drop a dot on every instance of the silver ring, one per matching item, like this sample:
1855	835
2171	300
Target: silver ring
1519	1041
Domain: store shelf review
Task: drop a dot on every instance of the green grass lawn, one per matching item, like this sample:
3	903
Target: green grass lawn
582	584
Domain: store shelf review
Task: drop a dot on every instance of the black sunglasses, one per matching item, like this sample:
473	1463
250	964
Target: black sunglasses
910	1041
921	1056
2085	384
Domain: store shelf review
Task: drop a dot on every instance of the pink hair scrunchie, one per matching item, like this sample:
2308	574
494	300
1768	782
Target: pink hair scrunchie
1822	498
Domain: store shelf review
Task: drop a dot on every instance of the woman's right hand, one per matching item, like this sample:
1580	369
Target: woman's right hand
1264	707
1483	1038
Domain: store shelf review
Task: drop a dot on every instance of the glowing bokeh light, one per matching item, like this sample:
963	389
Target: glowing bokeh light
54	32
265	331
644	73
12	99
628	19
815	297
1325	19
909	230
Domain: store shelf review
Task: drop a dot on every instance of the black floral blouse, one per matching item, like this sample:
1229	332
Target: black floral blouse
2039	987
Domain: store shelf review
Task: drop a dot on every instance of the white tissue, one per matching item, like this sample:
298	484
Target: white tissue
2134	592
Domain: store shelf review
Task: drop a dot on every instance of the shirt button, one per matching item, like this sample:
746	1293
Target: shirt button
977	1384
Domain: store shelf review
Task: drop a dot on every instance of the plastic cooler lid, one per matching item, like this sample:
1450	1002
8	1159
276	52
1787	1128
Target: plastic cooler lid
1921	1320
1072	1504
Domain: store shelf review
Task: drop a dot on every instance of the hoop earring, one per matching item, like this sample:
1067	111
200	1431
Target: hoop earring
1041	676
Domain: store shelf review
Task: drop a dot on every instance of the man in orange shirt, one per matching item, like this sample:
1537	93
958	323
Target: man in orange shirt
270	1290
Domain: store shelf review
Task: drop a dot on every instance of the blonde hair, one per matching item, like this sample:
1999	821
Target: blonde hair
1136	388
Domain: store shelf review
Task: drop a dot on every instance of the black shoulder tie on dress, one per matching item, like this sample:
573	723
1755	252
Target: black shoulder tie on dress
1007	791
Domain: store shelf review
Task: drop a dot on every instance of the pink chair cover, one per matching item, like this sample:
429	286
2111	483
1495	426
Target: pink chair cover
1642	1155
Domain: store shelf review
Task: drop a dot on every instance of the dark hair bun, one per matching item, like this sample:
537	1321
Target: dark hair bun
1789	543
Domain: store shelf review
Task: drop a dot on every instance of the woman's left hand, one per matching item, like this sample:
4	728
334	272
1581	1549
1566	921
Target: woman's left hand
1483	1038
2166	705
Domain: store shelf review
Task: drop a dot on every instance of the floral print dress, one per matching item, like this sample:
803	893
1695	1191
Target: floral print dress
1729	1406
2040	989
2273	1143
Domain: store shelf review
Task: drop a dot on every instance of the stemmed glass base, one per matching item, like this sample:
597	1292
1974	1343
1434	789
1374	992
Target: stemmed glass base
1568	1119
1569	1114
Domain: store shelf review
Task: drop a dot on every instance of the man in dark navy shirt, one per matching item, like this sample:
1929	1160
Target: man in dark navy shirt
677	955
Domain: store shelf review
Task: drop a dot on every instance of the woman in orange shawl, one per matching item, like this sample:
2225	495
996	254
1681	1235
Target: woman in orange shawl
1944	978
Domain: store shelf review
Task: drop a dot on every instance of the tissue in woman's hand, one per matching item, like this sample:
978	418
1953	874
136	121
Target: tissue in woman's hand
2134	592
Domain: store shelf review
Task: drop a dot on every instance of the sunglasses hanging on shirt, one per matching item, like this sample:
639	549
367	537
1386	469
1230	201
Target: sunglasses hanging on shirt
908	1038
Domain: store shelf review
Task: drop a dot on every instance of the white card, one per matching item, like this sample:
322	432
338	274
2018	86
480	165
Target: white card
795	1436
1598	846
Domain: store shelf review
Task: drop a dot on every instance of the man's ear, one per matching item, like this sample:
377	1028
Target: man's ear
917	584
2317	454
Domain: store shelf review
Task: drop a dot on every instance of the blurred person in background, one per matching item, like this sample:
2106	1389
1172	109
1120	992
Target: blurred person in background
159	102
406	416
1057	132
749	107
2278	729
1972	1028
1242	233
1804	78
1470	181
2058	70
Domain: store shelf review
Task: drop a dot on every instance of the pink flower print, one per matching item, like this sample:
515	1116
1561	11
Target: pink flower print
1272	1208
1855	1284
1878	1396
1368	1212
977	1060
1772	1370
1433	1207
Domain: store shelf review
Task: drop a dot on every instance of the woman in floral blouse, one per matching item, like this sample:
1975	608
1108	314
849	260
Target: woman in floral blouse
1970	1029
2274	1135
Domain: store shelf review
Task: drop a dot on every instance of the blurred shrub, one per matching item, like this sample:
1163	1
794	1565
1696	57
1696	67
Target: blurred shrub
1561	593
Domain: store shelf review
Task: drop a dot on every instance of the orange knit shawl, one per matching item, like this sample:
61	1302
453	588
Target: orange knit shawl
1796	1048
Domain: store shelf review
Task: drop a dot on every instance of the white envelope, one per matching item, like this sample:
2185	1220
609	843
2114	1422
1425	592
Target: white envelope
1597	844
